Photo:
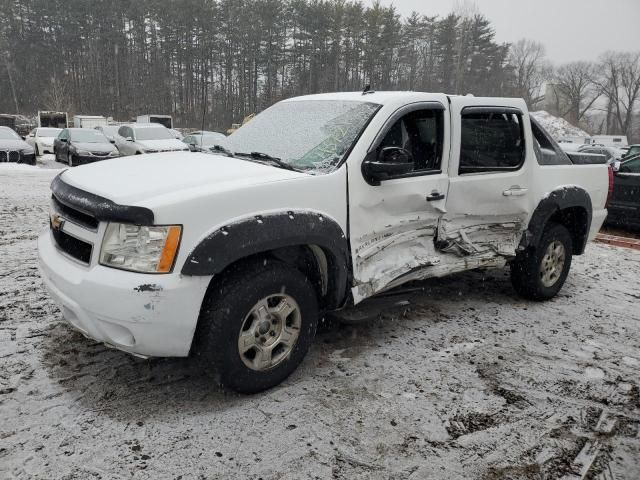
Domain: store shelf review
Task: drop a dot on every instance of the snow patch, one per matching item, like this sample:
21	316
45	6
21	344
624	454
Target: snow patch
558	127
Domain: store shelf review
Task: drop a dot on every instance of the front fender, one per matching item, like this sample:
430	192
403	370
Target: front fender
263	233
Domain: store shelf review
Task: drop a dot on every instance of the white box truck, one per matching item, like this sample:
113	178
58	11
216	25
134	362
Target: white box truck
89	121
49	119
165	120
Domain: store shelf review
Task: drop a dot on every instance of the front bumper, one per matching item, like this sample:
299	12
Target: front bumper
143	314
84	159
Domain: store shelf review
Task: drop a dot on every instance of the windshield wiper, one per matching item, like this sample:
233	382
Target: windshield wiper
220	148
263	156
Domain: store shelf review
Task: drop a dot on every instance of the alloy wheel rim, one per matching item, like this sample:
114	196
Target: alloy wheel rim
269	332
552	264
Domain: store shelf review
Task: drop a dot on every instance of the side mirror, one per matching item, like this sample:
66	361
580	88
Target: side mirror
391	161
112	141
23	137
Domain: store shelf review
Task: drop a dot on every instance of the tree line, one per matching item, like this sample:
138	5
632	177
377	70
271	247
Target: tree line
236	57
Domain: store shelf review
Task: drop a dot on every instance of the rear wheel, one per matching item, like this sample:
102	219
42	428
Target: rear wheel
540	273
256	325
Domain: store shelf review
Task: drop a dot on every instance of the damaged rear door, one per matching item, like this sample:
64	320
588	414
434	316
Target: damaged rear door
394	220
488	203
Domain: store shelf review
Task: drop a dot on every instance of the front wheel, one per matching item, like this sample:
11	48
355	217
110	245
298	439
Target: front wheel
70	160
539	274
256	325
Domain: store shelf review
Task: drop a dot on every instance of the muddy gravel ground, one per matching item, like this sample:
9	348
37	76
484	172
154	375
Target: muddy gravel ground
446	379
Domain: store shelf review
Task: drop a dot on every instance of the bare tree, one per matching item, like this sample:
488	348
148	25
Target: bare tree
56	96
575	81
619	82
531	69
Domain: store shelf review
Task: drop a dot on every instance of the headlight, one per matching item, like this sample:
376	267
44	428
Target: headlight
85	153
28	151
140	249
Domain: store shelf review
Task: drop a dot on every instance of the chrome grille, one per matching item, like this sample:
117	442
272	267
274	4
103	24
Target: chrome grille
9	156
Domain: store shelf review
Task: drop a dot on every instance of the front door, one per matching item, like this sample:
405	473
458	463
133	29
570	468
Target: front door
393	225
488	203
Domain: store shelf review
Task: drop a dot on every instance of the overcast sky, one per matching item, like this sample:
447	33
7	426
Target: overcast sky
569	29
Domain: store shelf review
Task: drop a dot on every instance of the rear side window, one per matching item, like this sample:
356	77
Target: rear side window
547	151
491	141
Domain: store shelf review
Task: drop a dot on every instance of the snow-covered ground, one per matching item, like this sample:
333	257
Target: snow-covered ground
558	127
454	378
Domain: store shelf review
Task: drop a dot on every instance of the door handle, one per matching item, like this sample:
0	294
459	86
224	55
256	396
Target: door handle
515	192
434	196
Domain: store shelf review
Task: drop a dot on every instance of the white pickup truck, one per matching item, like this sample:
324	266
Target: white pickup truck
315	205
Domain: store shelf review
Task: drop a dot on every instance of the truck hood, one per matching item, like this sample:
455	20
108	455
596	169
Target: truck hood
166	144
146	179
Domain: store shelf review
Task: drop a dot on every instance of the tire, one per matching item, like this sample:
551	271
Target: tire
246	306
540	273
37	152
70	160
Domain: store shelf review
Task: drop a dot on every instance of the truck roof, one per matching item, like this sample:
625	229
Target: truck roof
404	97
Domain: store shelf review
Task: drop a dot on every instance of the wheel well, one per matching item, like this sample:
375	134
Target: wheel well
313	261
576	220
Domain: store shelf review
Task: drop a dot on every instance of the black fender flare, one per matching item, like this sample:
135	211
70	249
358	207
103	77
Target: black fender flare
553	203
264	233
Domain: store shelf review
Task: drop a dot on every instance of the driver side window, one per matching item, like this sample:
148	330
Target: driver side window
421	134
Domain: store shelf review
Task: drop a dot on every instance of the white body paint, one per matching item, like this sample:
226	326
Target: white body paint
391	227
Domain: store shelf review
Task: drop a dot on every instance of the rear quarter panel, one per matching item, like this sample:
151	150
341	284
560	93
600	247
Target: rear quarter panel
594	179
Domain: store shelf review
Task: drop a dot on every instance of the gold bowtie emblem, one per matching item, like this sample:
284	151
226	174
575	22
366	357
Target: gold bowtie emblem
56	221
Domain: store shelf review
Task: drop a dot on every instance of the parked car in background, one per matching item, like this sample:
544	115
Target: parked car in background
109	131
14	149
610	153
632	151
41	139
624	207
138	138
76	146
176	133
7	120
207	142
